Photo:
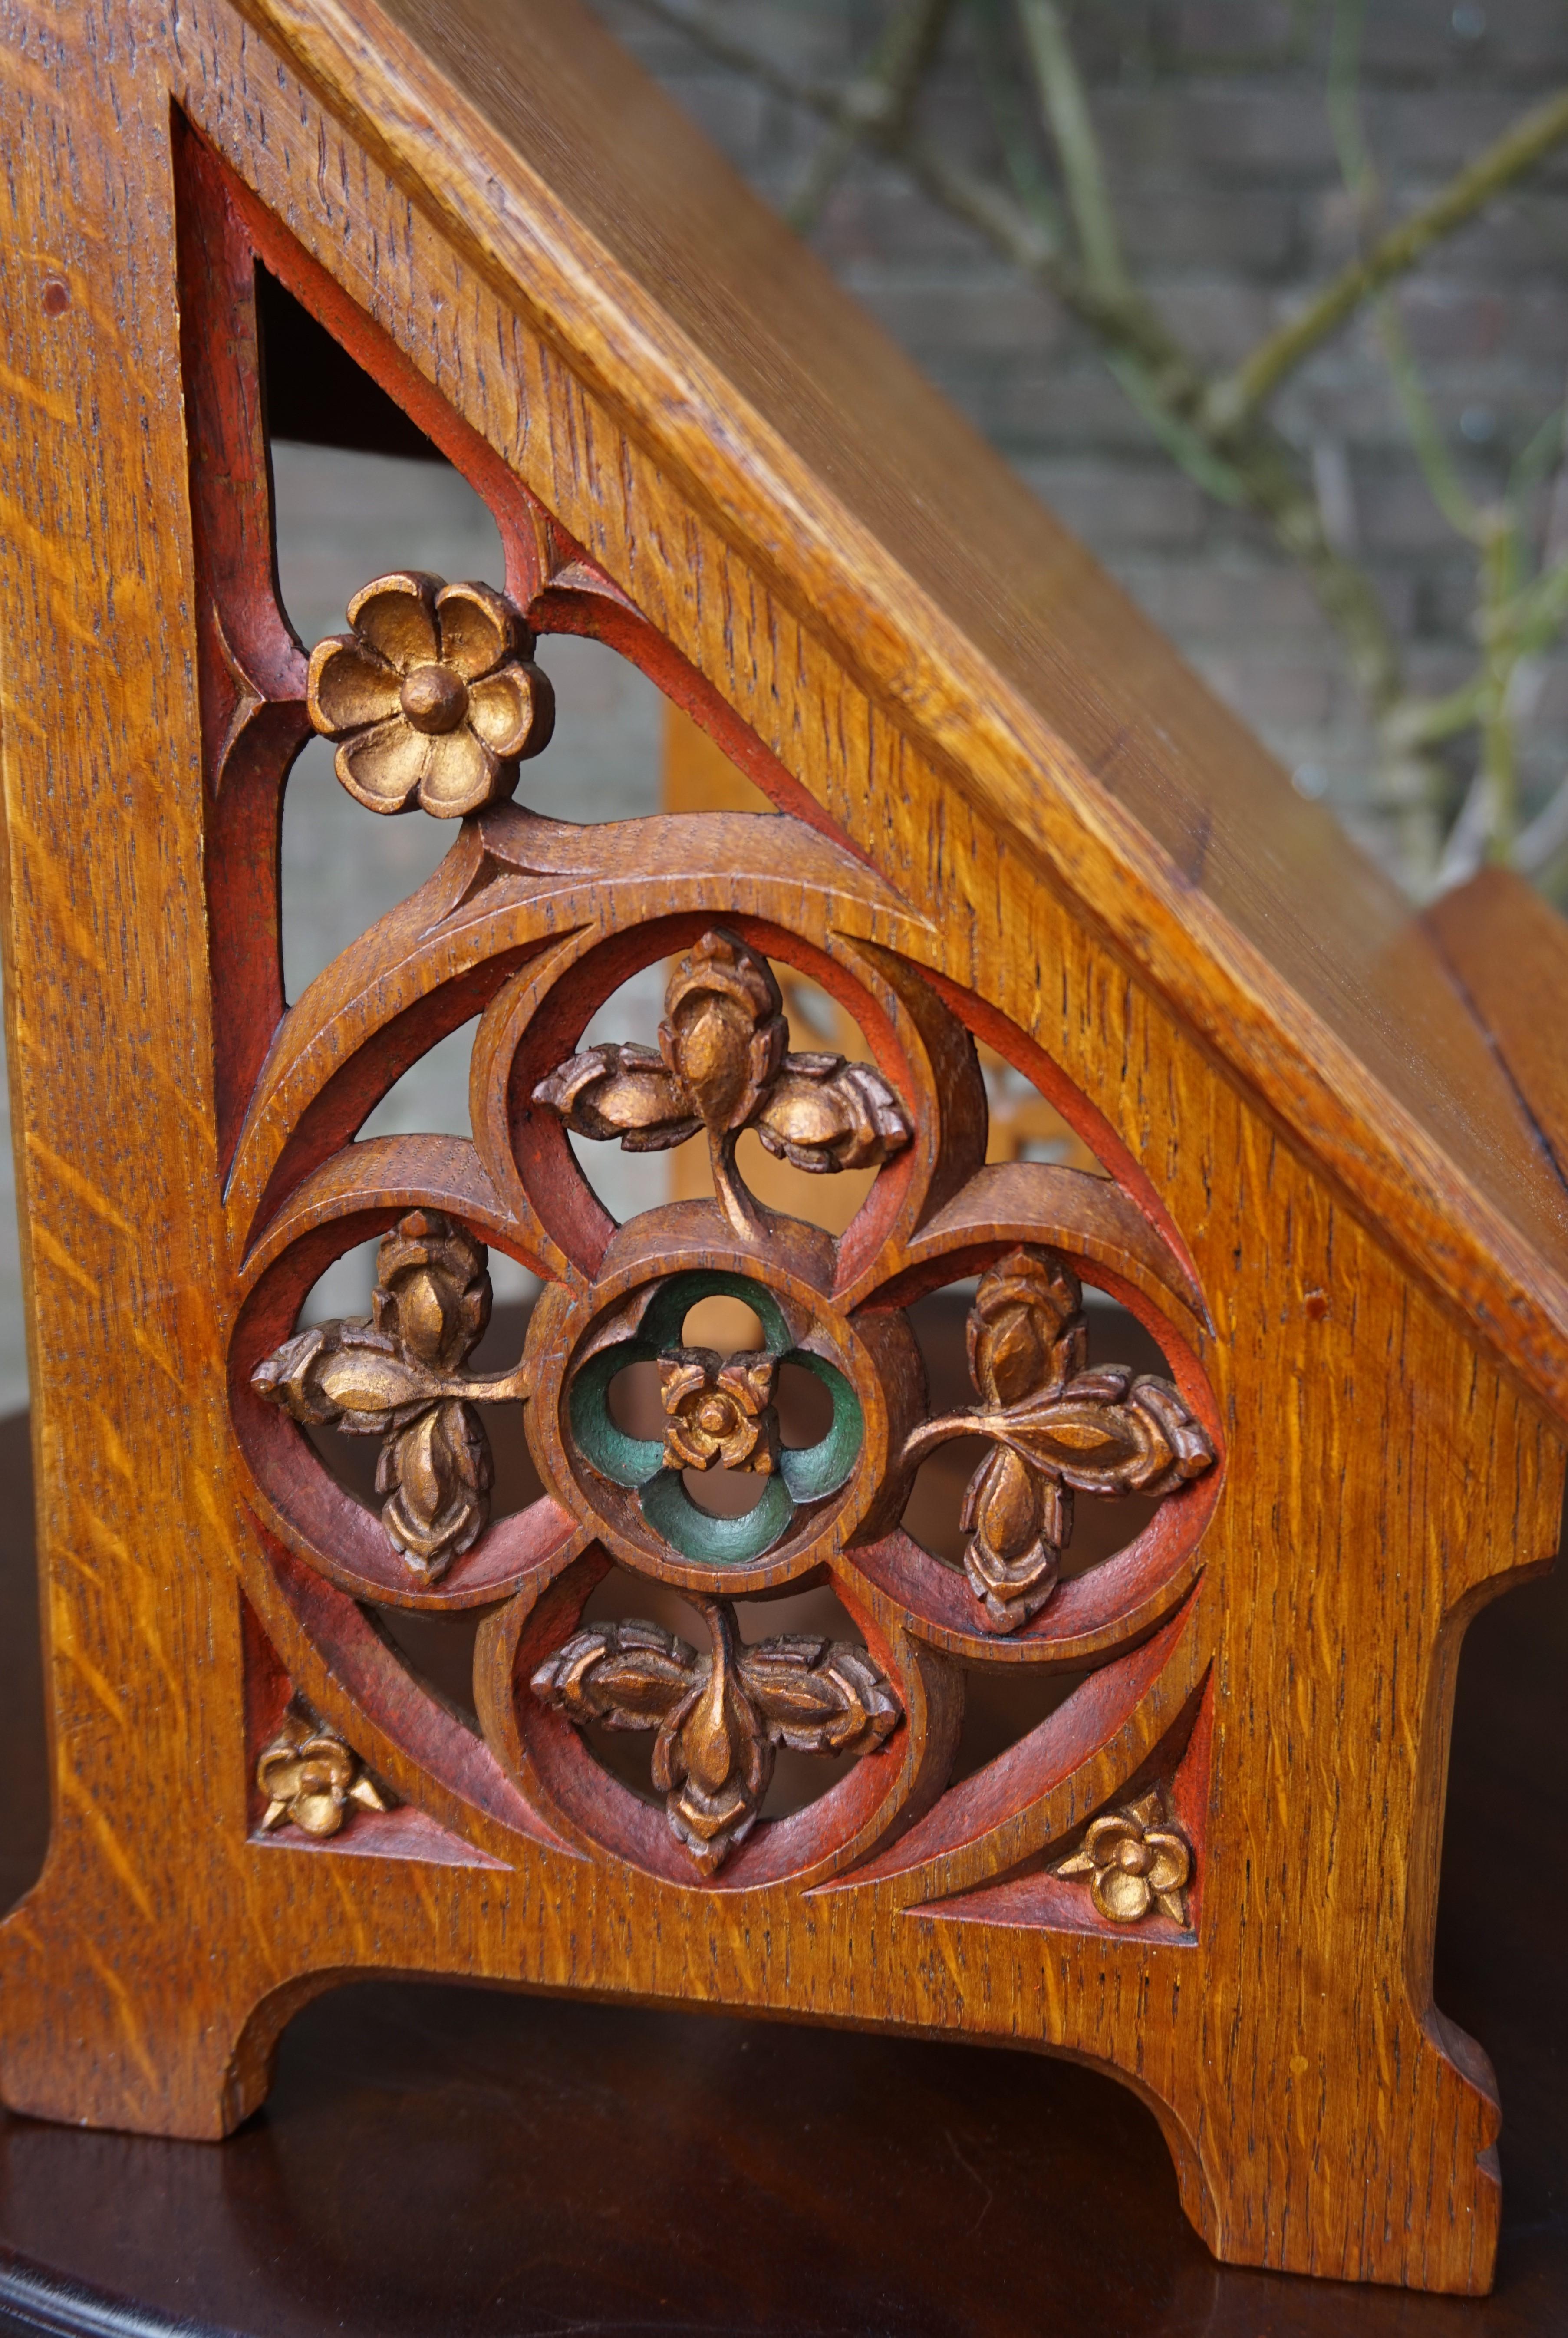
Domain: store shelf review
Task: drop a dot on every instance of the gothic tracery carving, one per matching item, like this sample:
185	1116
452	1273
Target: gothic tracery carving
396	1377
426	666
723	1065
719	1718
1057	1426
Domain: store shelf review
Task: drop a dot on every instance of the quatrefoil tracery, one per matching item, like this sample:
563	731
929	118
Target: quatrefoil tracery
542	904
721	1066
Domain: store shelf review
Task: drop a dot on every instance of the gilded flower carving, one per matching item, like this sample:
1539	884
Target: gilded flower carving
719	1719
1135	1860
719	1414
432	696
311	1776
723	1065
398	1376
1057	1426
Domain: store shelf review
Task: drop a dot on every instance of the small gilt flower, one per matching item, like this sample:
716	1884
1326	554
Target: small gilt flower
1136	1860
717	1413
309	1777
434	695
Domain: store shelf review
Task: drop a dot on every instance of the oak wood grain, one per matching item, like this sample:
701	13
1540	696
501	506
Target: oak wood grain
1508	950
886	526
1320	1195
536	2154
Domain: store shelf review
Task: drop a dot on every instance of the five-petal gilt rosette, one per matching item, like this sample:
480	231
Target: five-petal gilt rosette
434	698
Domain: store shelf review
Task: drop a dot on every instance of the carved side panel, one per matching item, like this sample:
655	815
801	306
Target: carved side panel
1125	1880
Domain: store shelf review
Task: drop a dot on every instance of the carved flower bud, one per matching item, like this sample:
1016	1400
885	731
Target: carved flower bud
1018	1520
719	1414
724	1035
432	1291
345	1374
1026	1330
824	1114
436	1478
1179	1446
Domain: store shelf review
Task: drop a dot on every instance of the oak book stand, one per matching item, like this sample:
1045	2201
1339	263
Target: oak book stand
1004	817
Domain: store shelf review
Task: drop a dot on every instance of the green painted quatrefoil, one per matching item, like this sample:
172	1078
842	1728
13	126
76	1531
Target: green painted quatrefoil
805	1474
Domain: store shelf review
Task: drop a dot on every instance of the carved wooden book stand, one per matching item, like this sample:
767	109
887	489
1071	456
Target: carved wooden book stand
1003	814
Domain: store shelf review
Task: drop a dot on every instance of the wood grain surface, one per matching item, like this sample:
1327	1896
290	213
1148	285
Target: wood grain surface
1003	815
1004	656
440	2163
1508	951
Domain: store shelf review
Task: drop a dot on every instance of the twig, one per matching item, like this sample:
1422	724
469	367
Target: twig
1236	454
702	27
880	104
1066	111
1541	840
1518	151
1442	480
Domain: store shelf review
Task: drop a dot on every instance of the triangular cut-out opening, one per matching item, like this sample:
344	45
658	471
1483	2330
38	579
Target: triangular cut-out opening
437	1651
1002	1704
309	1786
359	492
315	393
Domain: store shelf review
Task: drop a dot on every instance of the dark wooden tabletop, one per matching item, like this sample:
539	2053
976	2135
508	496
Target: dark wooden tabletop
444	2163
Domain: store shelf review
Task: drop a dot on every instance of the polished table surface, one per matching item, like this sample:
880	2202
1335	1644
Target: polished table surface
437	2162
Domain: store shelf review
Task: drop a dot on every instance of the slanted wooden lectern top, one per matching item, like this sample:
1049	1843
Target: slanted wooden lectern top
1004	814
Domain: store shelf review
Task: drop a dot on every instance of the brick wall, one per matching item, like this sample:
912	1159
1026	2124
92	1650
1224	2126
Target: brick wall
1217	140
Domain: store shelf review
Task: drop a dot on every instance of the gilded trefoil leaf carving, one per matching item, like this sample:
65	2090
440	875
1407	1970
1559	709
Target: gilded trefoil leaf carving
719	1719
1057	1426
723	1067
398	1376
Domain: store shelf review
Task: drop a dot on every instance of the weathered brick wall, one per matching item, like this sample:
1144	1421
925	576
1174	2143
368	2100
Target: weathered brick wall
1217	145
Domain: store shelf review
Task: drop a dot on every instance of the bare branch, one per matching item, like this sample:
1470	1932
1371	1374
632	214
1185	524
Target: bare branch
881	104
1518	151
1426	721
704	28
1442	480
1071	127
1545	837
1132	338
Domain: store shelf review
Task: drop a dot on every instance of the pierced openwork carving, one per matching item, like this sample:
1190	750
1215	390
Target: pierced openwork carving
1135	1861
311	1776
1056	1427
433	694
719	1718
395	1376
536	924
721	1066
